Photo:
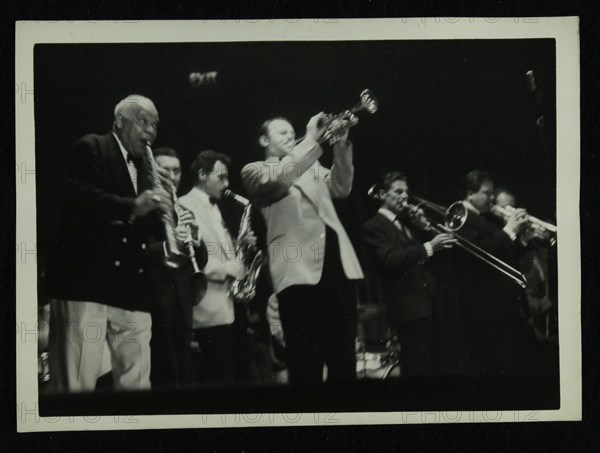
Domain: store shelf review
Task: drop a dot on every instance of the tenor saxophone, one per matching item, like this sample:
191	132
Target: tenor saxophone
244	289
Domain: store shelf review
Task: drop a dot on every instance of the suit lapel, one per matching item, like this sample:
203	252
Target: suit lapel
307	185
395	232
118	166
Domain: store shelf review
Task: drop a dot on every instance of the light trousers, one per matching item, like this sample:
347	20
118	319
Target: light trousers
79	333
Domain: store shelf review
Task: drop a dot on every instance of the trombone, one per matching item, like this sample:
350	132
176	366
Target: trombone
455	217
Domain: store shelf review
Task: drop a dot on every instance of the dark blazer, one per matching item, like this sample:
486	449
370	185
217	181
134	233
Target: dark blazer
103	258
407	283
175	288
487	294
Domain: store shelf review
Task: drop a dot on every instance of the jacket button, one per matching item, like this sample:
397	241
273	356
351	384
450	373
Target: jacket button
143	246
424	285
140	271
124	240
117	263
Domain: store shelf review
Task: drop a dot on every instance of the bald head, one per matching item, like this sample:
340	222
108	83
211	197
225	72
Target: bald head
132	104
136	123
277	137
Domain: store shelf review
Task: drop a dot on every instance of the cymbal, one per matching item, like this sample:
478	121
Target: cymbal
370	311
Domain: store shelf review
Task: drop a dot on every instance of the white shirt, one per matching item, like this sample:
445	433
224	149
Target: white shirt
216	307
392	218
216	219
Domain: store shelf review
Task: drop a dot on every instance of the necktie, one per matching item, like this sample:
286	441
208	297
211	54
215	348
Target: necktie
133	173
144	173
402	228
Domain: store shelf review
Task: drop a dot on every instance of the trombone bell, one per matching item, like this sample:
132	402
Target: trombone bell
456	216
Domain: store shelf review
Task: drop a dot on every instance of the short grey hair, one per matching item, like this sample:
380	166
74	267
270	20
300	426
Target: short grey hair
126	105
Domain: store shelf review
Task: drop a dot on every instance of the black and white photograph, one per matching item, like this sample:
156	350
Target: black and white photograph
296	222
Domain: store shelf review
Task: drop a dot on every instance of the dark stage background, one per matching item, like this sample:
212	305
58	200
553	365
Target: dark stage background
446	107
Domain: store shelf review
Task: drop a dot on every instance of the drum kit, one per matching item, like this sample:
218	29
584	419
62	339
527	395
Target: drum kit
378	363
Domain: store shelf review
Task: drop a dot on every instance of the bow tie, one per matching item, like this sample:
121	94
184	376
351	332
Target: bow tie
213	201
133	159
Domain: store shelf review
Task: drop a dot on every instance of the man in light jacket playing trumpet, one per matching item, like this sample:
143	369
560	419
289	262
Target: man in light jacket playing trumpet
311	257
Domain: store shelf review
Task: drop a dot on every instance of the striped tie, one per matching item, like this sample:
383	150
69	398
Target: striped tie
132	173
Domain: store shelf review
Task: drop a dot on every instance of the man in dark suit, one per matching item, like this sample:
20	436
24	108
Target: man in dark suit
172	312
402	253
493	302
101	285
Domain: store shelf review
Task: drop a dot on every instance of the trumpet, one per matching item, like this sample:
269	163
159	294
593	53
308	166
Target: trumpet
455	217
536	228
338	124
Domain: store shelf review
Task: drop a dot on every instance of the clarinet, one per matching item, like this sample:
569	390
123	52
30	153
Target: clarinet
174	256
189	241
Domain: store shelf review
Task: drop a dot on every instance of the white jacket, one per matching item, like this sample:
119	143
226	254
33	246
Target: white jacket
295	195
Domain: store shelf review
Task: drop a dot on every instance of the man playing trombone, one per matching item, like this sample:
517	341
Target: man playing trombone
394	237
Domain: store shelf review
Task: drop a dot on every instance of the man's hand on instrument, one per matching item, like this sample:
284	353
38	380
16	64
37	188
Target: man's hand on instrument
182	234
442	241
165	177
148	201
235	269
419	218
341	128
316	127
187	228
250	239
164	200
517	221
186	217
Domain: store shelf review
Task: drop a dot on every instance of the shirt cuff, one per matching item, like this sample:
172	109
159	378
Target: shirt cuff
428	249
510	233
164	247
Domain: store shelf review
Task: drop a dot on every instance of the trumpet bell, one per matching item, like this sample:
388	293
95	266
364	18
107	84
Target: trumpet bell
337	125
368	101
